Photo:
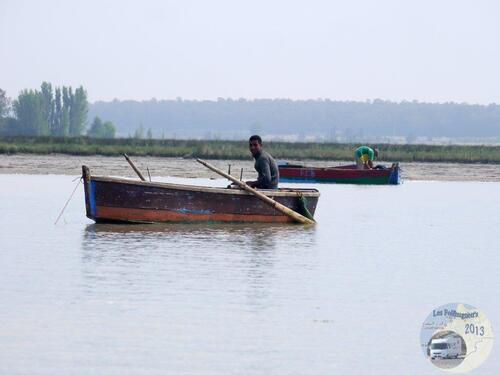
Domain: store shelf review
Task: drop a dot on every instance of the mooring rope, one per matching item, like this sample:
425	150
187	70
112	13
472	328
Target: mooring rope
71	196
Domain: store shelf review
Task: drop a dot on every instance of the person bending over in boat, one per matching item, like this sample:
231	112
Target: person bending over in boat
365	156
265	166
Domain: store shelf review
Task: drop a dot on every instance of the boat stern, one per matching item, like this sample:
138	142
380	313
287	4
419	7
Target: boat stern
395	176
88	185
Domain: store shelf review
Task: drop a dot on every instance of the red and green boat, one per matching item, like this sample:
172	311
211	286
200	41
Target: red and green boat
344	174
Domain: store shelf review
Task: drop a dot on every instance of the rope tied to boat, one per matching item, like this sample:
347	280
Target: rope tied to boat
80	179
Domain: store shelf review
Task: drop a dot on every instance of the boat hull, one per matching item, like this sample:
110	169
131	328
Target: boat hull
129	201
348	174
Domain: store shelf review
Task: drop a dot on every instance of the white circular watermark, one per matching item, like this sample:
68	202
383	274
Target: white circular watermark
456	337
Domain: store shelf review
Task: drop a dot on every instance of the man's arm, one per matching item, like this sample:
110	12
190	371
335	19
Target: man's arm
371	158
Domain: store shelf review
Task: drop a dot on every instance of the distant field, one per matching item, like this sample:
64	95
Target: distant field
239	149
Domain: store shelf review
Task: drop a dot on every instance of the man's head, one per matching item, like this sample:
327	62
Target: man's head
255	145
375	152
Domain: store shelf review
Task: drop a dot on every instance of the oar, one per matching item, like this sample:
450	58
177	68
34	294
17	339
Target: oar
134	168
287	211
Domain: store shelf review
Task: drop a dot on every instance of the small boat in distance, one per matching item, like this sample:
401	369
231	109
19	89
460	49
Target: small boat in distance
122	200
344	174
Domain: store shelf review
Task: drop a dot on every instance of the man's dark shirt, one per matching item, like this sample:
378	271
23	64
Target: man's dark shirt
268	171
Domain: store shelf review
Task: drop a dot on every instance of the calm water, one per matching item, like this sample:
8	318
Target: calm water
347	296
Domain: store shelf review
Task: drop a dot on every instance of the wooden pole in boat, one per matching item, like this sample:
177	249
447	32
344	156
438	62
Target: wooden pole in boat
134	167
287	211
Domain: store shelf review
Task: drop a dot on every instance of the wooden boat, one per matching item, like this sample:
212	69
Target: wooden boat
345	174
121	200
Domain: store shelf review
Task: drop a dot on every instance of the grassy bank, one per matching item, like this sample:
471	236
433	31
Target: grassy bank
239	149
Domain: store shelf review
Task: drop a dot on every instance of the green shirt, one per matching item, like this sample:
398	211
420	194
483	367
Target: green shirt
365	150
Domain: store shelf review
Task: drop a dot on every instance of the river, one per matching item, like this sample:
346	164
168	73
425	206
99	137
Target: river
347	296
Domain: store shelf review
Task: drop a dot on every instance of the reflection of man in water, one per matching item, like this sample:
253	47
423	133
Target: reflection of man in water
365	156
264	165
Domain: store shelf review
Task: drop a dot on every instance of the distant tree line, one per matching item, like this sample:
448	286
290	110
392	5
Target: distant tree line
333	120
59	112
63	112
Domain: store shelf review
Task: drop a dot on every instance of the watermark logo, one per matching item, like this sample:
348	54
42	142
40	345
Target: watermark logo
456	337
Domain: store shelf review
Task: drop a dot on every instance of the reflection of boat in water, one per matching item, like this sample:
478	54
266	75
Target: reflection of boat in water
225	232
122	200
124	238
179	228
344	174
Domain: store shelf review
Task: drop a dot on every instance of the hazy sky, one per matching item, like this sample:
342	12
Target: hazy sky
348	50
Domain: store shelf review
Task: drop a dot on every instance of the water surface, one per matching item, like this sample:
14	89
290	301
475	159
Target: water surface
346	296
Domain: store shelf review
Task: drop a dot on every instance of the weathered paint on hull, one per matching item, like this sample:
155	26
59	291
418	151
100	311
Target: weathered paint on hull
134	215
121	200
346	175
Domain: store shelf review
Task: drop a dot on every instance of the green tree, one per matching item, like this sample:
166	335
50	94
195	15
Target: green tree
57	118
66	104
100	129
28	109
4	104
47	106
78	111
4	111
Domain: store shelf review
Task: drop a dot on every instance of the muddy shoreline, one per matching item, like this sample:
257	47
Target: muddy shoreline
178	167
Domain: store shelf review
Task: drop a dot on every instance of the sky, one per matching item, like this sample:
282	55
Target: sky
430	51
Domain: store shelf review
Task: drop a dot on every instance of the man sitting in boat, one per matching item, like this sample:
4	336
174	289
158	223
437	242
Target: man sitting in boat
365	156
265	166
